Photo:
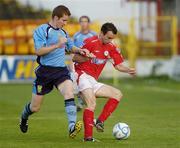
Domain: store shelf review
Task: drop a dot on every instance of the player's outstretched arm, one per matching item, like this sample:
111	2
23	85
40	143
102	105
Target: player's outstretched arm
77	50
125	69
83	52
46	50
79	58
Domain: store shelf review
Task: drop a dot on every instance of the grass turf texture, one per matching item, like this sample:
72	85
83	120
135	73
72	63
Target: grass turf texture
151	107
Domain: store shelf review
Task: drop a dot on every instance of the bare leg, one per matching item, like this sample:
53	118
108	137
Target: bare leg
33	106
114	96
30	108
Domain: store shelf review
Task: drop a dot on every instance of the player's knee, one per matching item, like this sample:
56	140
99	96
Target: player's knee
118	95
91	106
68	94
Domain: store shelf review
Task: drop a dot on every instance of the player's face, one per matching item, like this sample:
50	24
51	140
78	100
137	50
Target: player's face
108	37
61	22
84	24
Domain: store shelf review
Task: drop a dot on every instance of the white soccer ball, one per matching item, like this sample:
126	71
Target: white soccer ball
121	131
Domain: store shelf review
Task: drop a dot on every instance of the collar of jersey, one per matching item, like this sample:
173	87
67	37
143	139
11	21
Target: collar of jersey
99	40
53	27
85	33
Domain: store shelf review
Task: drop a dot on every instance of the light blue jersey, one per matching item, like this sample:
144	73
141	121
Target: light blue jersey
79	38
46	35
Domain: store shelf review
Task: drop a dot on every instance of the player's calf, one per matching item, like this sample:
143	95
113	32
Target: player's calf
28	110
66	89
73	126
88	114
108	109
35	109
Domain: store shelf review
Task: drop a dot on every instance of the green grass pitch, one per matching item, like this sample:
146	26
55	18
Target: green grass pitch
151	107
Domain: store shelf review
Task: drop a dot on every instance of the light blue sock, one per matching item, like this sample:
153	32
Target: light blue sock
26	111
71	111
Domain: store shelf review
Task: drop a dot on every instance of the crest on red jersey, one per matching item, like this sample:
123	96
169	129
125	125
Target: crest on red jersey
106	53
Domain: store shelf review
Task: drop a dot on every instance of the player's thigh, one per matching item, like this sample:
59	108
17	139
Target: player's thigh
36	102
109	92
66	89
89	97
88	82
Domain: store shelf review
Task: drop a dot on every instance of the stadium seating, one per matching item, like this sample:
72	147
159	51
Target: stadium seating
16	35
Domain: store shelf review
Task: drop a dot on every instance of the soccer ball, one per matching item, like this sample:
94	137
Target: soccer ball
121	131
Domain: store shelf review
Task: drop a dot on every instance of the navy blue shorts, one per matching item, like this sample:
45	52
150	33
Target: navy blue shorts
47	77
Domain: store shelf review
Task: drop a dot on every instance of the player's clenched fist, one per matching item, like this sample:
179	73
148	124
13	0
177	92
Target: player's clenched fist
91	55
86	53
132	71
62	41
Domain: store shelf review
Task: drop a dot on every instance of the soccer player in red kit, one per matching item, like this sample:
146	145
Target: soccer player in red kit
88	71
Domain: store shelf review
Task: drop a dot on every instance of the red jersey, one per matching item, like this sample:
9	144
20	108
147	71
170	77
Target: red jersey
103	53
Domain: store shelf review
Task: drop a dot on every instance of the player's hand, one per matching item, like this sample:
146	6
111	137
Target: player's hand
132	71
86	53
91	55
62	41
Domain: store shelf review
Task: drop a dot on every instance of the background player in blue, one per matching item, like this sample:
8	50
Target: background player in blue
79	38
51	41
84	32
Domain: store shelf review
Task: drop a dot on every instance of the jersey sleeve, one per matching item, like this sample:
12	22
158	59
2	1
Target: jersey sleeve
69	43
87	44
75	40
39	37
117	57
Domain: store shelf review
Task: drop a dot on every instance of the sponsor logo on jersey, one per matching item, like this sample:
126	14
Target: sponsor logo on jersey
98	61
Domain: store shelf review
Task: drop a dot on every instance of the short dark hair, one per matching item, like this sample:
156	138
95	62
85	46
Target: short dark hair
86	17
108	27
60	10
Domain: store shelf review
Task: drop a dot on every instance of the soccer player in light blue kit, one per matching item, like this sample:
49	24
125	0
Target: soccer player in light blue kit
79	38
51	41
84	33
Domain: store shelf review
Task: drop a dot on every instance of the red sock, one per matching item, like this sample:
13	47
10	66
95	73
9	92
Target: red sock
109	107
88	117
